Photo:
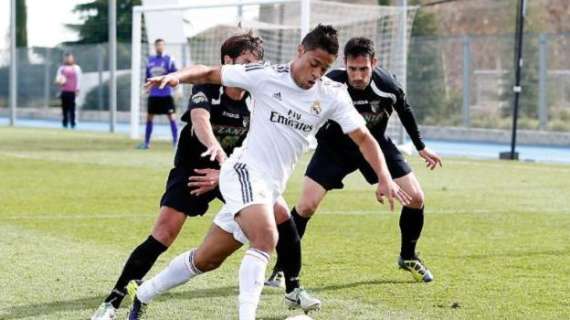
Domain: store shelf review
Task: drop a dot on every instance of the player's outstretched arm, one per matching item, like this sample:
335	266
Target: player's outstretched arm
196	74
373	154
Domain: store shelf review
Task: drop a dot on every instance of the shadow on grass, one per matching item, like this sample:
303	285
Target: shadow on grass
360	284
91	303
509	254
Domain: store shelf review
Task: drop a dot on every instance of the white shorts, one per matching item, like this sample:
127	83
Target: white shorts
242	187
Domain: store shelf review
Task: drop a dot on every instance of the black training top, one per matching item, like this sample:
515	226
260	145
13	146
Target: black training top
229	119
375	103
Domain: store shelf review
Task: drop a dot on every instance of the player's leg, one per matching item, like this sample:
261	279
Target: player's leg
312	195
323	173
148	129
289	258
72	110
165	230
412	216
257	222
216	247
411	225
64	109
151	110
176	204
172	120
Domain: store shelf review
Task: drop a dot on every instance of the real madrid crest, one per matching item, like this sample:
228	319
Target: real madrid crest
316	107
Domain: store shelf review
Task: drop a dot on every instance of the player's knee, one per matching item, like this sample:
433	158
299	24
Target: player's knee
281	214
164	235
266	240
417	199
207	263
307	208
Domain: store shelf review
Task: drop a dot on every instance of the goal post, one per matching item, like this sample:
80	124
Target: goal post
281	24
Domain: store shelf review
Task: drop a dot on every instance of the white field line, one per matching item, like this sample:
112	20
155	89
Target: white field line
459	161
382	212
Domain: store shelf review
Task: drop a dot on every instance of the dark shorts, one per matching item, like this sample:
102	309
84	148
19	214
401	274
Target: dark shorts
328	167
161	105
177	194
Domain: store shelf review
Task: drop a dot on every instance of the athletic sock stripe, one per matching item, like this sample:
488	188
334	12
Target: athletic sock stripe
191	263
241	182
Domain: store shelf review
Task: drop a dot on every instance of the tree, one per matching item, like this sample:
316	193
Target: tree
94	14
426	88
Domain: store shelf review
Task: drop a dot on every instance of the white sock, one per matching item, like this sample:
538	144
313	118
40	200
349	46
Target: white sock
179	271
251	274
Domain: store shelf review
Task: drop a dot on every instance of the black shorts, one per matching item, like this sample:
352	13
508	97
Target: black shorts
161	105
328	167
177	194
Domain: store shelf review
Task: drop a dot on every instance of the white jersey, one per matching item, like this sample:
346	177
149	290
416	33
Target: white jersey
285	117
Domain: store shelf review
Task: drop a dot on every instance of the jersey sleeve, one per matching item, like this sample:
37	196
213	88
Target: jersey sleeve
147	69
201	98
345	113
244	76
408	119
405	112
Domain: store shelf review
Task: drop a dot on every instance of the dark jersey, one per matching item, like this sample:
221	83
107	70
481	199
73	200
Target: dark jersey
375	103
229	119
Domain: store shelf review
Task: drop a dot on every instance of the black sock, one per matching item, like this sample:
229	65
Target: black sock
300	222
136	267
411	224
289	254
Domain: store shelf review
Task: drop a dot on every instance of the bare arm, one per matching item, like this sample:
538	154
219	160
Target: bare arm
196	74
375	158
203	130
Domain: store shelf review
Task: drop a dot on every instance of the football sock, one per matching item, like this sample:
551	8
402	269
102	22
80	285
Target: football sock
289	254
300	222
148	133
179	271
411	224
138	264
251	273
174	130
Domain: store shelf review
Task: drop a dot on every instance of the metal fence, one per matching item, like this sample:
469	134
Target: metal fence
462	83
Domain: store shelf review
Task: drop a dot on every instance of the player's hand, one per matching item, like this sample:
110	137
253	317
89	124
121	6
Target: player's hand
205	180
389	189
162	81
431	158
215	152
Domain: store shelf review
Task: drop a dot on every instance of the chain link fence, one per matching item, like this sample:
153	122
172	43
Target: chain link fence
460	88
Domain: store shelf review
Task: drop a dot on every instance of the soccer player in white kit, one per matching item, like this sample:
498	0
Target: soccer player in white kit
291	102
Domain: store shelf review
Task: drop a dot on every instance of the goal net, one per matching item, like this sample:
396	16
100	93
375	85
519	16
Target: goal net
281	24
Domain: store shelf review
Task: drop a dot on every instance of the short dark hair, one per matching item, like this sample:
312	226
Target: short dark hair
238	44
359	46
158	40
322	37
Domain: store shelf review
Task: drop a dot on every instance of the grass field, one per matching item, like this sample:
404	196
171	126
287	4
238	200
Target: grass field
73	205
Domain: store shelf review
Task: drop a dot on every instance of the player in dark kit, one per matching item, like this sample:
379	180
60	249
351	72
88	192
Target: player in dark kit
217	120
375	94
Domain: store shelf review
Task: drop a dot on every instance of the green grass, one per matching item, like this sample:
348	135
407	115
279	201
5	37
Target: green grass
73	205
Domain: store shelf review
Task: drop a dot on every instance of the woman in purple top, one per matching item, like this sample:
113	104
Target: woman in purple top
68	78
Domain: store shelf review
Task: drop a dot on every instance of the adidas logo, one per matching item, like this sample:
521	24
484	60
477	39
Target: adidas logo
277	95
